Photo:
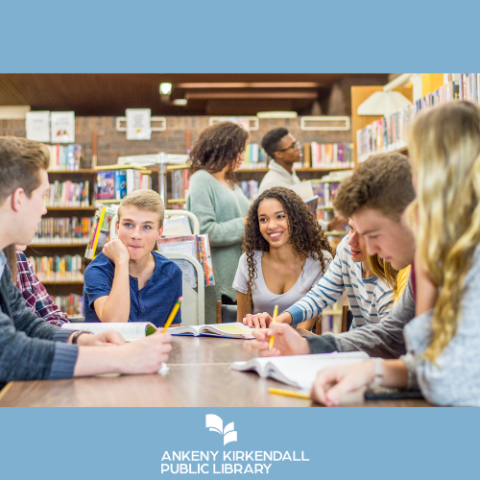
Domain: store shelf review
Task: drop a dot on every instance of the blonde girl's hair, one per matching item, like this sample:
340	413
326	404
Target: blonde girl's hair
444	146
385	271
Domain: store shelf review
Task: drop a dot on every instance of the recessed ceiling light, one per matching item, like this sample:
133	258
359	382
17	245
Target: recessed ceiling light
180	101
277	115
165	88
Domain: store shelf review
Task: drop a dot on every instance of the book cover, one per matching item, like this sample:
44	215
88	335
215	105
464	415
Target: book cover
106	185
120	184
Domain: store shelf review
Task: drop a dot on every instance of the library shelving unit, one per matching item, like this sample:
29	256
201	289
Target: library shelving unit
66	287
421	90
178	177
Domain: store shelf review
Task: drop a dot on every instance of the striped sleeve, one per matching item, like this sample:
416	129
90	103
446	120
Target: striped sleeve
385	301
326	292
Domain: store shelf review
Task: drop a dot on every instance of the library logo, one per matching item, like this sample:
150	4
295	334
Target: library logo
215	424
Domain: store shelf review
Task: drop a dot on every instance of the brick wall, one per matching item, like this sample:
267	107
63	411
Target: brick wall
112	144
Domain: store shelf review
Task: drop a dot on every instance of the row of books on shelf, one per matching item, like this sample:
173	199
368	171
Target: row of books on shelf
389	133
72	304
250	189
65	157
197	246
255	156
115	184
325	191
180	183
327	155
68	194
315	155
71	230
469	87
64	268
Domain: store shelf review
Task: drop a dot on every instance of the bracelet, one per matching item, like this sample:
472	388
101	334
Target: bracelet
378	373
77	334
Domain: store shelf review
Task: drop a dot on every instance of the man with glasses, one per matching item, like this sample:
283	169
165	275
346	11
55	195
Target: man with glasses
285	150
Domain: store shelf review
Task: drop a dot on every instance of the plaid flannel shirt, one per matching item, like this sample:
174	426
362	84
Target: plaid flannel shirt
36	296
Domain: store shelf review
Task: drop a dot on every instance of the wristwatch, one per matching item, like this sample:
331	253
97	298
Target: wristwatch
378	373
77	334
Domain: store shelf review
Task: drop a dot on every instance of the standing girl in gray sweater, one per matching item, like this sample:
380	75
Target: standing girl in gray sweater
443	341
219	204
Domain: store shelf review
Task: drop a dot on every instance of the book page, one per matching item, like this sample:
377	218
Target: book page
299	370
236	327
194	329
129	330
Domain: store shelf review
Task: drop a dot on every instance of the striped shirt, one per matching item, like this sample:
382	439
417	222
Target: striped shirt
36	296
370	299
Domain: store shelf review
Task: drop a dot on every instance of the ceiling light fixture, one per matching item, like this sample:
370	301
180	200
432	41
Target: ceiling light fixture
180	101
165	88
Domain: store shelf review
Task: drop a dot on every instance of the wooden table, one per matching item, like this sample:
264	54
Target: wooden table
198	377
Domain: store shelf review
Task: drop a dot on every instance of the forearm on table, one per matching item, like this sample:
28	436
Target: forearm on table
97	360
116	307
395	374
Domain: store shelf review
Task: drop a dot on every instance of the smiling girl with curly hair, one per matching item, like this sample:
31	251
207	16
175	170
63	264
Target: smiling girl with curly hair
285	254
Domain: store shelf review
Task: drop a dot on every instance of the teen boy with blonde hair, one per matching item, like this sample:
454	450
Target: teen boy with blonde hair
128	281
29	347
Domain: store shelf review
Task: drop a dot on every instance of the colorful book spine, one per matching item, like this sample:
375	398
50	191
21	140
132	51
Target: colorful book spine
72	304
65	157
120	184
63	231
255	157
66	268
68	194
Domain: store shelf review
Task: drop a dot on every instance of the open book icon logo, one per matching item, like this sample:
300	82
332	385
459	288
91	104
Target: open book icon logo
215	424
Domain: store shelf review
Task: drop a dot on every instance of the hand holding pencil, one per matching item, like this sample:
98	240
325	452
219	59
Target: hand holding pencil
172	314
275	315
287	341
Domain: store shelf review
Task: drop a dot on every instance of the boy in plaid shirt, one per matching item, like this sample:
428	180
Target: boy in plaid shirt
36	296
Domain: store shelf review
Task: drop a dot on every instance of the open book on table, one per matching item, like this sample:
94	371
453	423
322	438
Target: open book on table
298	370
226	330
130	330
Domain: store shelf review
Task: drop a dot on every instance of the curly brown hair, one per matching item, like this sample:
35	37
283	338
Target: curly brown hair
383	183
218	146
306	235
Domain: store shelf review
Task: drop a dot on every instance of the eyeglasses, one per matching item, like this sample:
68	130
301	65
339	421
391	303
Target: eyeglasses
293	145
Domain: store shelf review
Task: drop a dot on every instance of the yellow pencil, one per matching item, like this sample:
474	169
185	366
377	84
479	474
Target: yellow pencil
275	314
288	393
172	314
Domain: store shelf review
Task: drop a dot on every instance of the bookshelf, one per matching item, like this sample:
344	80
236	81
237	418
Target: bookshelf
360	95
376	134
57	226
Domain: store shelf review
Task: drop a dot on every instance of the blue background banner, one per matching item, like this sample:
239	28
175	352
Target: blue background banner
216	36
339	443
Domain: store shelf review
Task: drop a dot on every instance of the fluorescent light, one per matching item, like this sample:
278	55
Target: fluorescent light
165	88
180	101
14	112
277	114
250	85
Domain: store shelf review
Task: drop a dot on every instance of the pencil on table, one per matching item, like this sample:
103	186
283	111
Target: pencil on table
172	314
275	314
288	393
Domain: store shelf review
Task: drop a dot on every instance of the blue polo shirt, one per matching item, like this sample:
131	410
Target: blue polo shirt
153	303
